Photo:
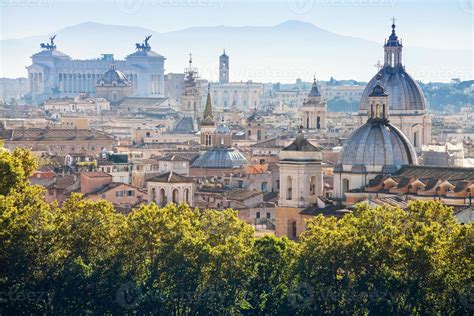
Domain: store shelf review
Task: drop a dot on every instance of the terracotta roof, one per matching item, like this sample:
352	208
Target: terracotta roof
105	188
271	143
242	194
256	168
329	210
388	201
56	134
442	173
98	174
64	182
173	158
171	177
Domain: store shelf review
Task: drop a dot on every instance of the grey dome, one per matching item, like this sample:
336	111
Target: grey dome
113	75
377	144
404	92
222	129
227	158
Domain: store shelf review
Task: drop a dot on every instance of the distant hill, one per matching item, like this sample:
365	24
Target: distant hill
279	53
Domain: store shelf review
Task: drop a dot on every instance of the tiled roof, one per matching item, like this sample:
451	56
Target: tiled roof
105	188
442	173
57	134
171	177
271	143
242	194
173	158
256	168
142	102
98	174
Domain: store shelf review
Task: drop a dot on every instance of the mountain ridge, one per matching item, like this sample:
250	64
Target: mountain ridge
282	52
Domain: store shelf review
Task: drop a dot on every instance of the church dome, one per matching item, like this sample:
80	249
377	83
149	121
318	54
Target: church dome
221	157
222	129
376	146
404	92
113	76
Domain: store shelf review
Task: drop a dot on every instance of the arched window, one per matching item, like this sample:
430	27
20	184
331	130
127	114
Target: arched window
162	197
289	188
259	134
175	196
377	110
208	139
318	122
186	195
345	185
153	194
312	185
307	120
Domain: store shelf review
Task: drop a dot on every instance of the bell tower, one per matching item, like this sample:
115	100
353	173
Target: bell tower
314	110
224	68
207	123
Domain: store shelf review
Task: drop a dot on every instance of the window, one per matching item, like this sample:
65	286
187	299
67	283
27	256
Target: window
118	193
345	185
186	195
268	215
175	196
208	140
257	215
293	230
289	188
162	197
130	193
264	187
312	186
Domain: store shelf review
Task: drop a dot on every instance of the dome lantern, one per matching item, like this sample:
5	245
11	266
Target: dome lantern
378	102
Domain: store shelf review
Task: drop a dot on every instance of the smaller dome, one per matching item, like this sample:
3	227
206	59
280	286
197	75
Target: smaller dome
114	76
222	129
377	145
227	158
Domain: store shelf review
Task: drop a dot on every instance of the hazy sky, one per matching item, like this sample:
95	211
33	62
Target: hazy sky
449	21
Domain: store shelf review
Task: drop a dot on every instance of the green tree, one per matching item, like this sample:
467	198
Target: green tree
272	260
15	168
85	245
385	261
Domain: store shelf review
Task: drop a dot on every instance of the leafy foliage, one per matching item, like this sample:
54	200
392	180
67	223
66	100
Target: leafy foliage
85	258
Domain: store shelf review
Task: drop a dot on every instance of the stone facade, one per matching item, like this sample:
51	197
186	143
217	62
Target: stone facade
55	74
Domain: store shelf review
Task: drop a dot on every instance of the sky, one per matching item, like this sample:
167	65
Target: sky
449	21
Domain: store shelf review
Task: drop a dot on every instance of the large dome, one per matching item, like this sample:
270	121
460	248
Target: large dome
404	92
376	146
221	157
113	76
